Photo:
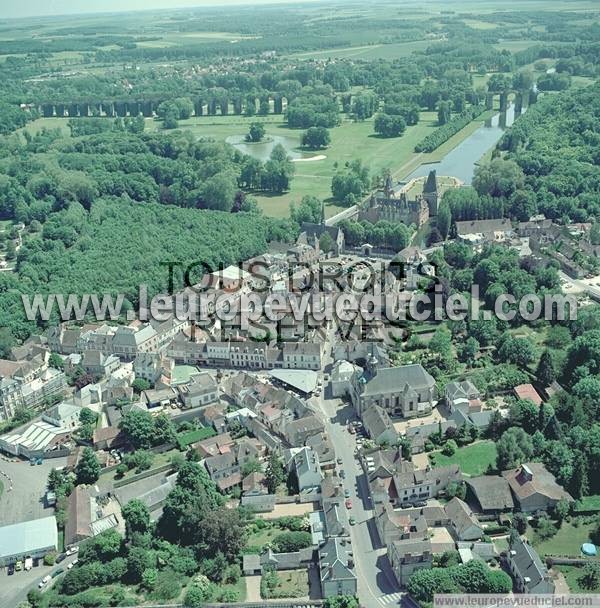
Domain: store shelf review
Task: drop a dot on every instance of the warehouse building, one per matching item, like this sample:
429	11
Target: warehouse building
32	538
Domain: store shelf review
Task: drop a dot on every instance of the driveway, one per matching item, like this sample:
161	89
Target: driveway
253	588
292	508
26	499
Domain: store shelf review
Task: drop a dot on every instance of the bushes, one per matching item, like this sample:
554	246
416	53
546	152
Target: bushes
444	133
288	542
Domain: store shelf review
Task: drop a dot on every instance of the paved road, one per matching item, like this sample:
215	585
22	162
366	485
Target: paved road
377	585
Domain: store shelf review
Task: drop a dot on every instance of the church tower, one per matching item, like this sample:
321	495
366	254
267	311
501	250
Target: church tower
430	193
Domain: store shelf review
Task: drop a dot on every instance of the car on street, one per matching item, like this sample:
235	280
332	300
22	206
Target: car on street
352	520
28	564
72	564
421	503
342	474
60	557
57	572
347	493
405	505
19	566
348	503
351	430
72	550
11	569
339	460
45	580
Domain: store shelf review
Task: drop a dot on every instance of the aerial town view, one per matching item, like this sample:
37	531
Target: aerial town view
300	304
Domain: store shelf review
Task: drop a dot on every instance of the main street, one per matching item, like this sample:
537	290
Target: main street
377	585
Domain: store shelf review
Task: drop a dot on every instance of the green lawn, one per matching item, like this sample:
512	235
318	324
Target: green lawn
258	539
567	541
473	459
394	50
572	574
190	437
588	503
182	373
292	583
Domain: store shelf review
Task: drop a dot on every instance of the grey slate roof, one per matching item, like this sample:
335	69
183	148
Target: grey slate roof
528	564
393	379
492	492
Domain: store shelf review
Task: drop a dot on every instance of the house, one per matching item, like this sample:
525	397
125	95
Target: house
420	433
214	446
202	389
297	432
336	568
98	364
269	560
254	484
335	518
477	232
224	470
248	449
323	446
159	398
534	488
341	377
379	426
63	415
527	391
397	525
529	573
491	493
152	366
305	463
408	556
109	437
463	521
457	394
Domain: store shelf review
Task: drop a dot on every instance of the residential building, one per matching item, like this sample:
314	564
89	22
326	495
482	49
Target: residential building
408	556
478	232
224	470
297	432
202	389
96	363
463	522
491	492
534	488
527	569
305	463
457	394
65	415
527	391
379	426
336	568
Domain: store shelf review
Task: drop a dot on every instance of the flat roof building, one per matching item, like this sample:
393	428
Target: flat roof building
32	538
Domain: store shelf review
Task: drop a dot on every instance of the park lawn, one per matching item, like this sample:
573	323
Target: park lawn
158	461
567	541
292	583
473	459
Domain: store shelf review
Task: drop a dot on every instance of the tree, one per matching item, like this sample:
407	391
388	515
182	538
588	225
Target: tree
444	112
341	601
251	466
562	509
545	372
389	126
88	468
316	138
275	473
289	542
498	178
590	576
137	517
140	384
519	522
513	449
56	361
256	132
443	220
218	191
310	210
11	251
86	416
326	243
139	426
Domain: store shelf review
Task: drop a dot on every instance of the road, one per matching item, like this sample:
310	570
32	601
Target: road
14	588
377	587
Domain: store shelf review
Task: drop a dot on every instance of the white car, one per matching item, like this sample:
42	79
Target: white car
72	564
72	550
45	580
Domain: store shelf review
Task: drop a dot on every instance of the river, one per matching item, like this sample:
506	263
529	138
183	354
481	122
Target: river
462	160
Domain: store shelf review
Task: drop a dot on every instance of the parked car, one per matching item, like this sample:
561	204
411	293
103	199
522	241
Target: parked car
18	566
45	580
11	569
28	564
339	460
57	572
342	474
348	504
60	557
347	493
72	550
352	520
405	505
421	503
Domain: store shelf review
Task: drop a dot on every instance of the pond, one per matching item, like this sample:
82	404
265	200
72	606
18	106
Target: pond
263	149
462	160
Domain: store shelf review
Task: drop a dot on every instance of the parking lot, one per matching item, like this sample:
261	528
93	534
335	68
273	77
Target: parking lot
26	499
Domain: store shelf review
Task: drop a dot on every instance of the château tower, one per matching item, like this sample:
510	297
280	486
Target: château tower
430	193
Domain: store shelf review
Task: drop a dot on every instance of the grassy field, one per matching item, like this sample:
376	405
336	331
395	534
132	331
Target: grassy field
588	503
472	459
567	541
198	435
292	583
391	51
260	538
